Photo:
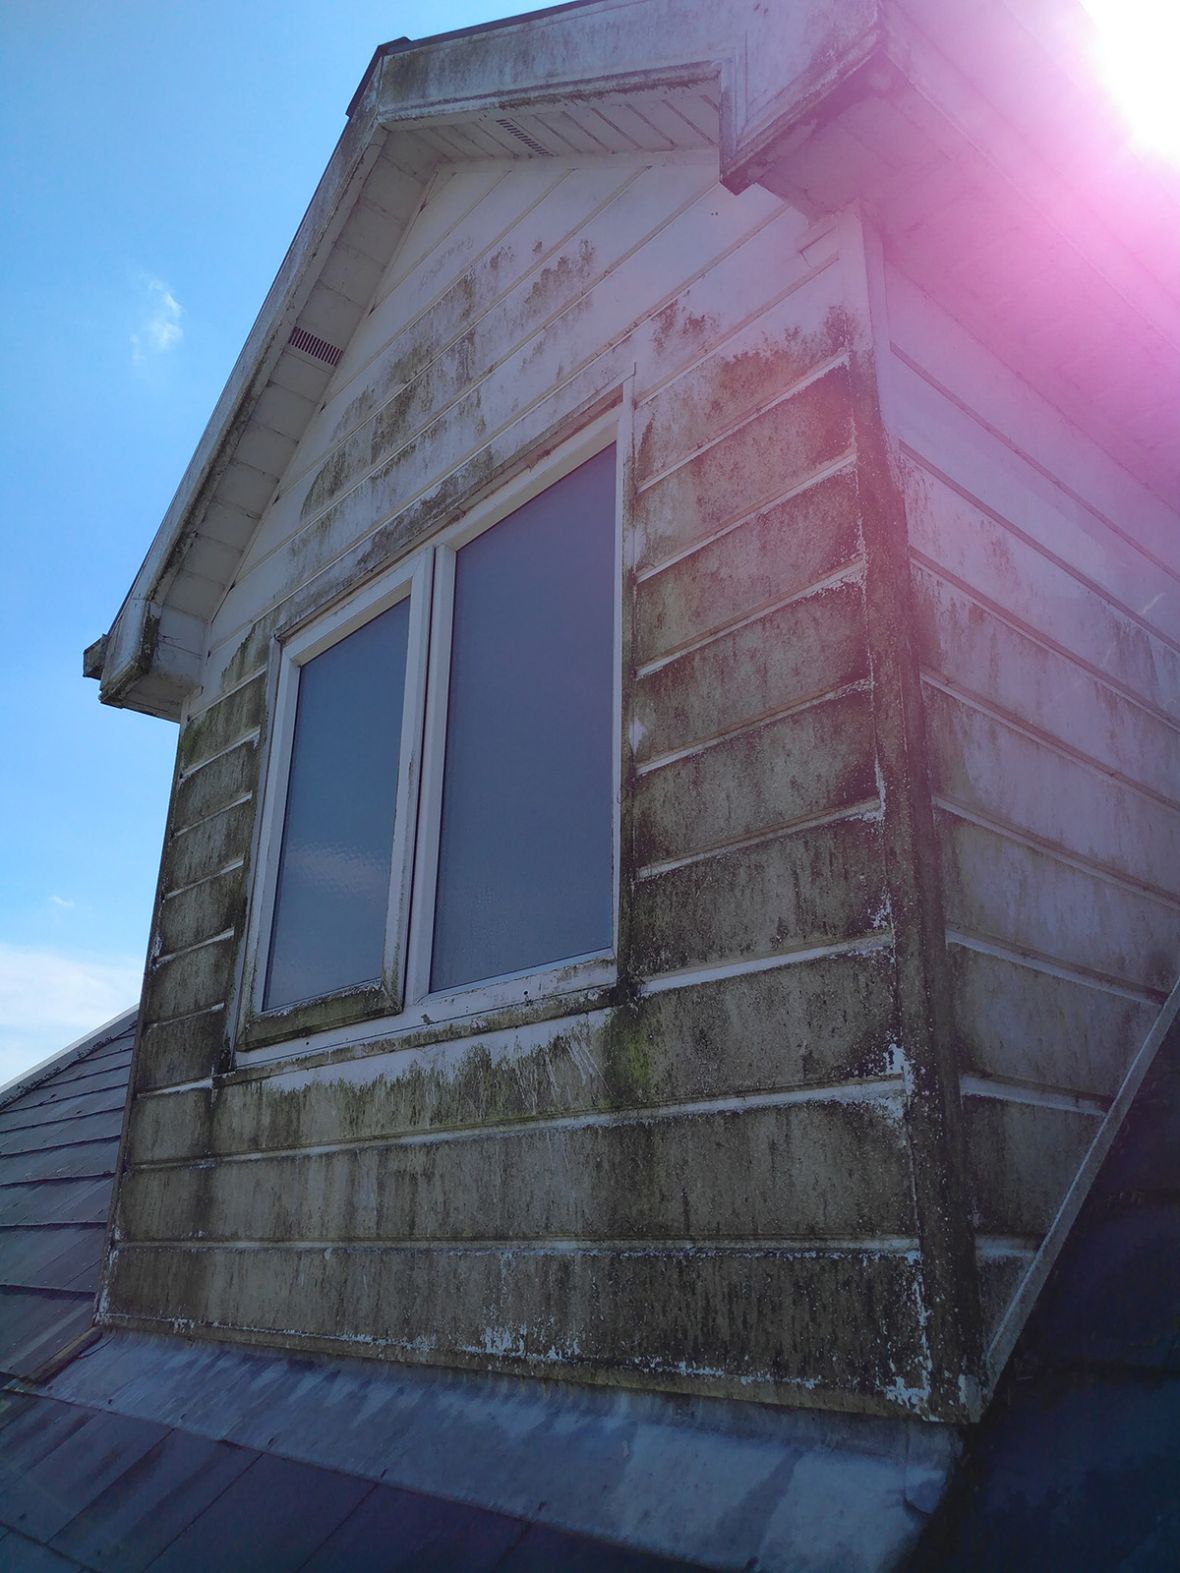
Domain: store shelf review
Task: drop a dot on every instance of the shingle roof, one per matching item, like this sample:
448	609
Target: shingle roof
59	1142
84	1488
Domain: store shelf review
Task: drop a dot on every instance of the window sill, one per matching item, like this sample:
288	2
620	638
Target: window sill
572	989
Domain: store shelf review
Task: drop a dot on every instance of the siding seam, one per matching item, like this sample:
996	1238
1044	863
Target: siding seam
1060	854
1029	729
883	1090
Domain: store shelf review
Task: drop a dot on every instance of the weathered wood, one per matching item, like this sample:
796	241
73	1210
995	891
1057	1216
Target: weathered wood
196	854
750	1033
224	722
1037	593
970	648
983	765
723	295
754	367
1015	431
190	981
410	382
439	422
818	1168
909	855
659	1316
172	1052
813	762
200	911
1022	1157
812	888
1022	1024
780	551
487	256
745	468
793	654
213	786
1027	899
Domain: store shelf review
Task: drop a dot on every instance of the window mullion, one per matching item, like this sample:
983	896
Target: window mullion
434	737
408	798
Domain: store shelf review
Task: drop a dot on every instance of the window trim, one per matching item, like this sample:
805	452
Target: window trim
294	648
403	1001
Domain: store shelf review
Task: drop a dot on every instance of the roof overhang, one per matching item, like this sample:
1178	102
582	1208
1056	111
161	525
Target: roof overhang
975	134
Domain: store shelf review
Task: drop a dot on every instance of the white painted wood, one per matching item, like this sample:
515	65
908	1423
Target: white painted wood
964	544
421	337
719	296
945	441
1011	409
1002	668
553	351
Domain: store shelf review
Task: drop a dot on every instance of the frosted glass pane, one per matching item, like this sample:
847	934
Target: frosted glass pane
526	844
333	884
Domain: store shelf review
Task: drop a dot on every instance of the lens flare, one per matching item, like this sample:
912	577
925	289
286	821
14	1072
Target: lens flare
1137	45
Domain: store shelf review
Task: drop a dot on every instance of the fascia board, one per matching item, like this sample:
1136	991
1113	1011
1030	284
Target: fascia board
581	50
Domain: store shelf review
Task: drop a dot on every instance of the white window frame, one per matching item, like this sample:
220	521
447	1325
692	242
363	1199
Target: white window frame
296	648
428	577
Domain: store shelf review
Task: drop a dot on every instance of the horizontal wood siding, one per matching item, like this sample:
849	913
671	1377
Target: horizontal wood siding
556	1311
1047	603
704	1181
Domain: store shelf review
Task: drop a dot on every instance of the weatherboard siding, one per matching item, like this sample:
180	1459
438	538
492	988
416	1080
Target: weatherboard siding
1046	592
709	1185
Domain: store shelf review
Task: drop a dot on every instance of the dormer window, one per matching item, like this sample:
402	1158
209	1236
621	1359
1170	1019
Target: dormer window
440	820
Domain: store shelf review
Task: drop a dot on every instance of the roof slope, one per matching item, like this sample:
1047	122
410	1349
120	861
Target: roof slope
59	1142
489	1471
83	1488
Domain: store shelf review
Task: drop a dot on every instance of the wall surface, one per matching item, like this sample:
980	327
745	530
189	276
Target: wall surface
706	1181
1046	587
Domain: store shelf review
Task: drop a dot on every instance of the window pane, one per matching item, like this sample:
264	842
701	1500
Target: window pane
333	885
525	872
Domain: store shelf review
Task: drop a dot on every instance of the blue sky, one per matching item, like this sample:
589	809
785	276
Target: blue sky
159	155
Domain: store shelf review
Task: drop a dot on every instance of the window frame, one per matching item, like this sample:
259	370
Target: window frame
294	648
403	1002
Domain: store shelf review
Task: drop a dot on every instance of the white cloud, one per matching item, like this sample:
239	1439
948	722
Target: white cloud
48	998
61	901
160	329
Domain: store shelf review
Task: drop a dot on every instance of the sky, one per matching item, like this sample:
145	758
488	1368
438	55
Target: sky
158	157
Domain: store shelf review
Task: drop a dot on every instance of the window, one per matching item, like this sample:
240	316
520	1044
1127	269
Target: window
440	813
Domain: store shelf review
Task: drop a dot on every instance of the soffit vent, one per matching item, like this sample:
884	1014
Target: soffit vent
522	135
301	339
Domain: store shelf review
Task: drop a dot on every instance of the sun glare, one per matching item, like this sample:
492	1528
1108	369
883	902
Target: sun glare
1138	46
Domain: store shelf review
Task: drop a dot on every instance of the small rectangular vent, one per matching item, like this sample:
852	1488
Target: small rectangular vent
522	135
301	339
